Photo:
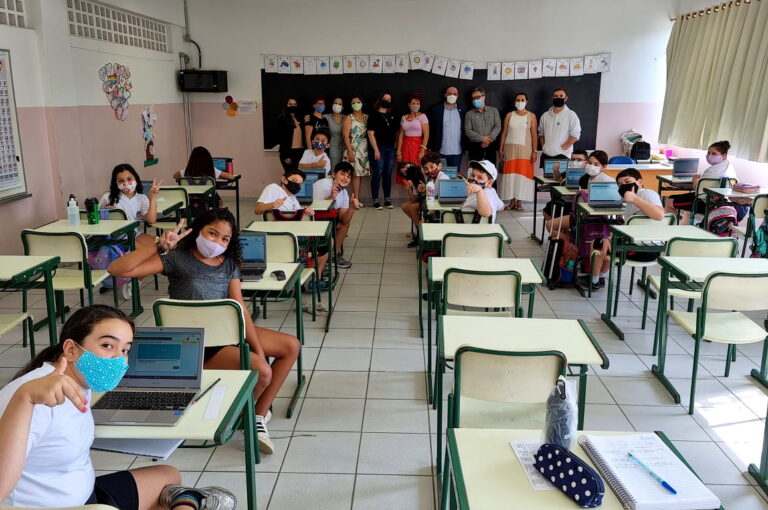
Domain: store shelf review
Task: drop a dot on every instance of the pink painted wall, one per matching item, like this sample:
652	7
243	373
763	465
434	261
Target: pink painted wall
747	171
616	119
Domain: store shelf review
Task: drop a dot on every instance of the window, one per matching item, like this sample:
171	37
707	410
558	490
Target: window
93	20
12	13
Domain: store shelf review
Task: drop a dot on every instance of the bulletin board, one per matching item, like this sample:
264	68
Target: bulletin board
13	184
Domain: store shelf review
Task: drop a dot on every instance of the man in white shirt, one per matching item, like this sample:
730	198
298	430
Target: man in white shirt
283	196
559	129
335	188
480	193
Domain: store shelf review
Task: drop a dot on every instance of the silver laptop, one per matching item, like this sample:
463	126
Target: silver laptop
165	367
683	168
605	195
451	191
254	249
573	176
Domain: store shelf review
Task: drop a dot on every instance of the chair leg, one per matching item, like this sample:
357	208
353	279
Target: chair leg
82	299
618	289
645	304
59	296
631	281
445	492
24	309
733	353
671	302
690	305
157	286
314	301
264	308
90	295
114	292
695	371
30	328
731	347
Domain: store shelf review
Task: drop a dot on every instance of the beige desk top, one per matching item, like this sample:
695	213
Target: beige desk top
599	211
439	265
730	193
698	268
269	283
200	189
299	228
11	265
103	228
661	232
563	191
436	231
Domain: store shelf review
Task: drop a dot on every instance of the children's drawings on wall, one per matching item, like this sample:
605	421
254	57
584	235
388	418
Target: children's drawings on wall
116	84
148	120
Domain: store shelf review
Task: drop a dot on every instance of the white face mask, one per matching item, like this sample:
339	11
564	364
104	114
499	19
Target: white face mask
592	170
520	105
451	99
207	248
576	163
337	108
128	187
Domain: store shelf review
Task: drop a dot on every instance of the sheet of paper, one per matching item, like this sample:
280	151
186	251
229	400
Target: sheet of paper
270	63
246	106
350	64
590	64
548	67
494	70
284	65
388	63
526	454
534	69
363	63
467	70
429	59
577	66
417	59
297	65
155	448
401	63
521	70
310	65
336	65
507	71
215	402
323	65
376	64
454	66
439	65
563	67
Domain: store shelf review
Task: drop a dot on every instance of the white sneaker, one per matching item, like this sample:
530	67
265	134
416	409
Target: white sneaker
265	443
268	416
307	306
127	291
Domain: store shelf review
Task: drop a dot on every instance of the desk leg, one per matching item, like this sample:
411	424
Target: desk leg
609	298
583	369
300	335
439	369
661	337
760	474
135	289
50	306
330	264
237	202
531	298
760	375
250	453
419	252
535	203
430	390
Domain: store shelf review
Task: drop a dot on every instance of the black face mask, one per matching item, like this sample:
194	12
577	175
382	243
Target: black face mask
632	186
385	104
558	102
293	187
292	109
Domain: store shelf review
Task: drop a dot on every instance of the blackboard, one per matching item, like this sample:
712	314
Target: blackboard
583	95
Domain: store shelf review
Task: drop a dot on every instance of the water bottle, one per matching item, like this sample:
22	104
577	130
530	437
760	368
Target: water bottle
431	191
92	211
73	211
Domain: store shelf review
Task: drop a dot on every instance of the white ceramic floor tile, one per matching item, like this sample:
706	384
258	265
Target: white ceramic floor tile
383	492
327	414
407	416
338	384
359	338
710	463
605	417
343	359
398	385
322	452
674	421
395	454
397	360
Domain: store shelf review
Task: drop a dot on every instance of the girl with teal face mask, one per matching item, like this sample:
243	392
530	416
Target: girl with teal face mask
46	426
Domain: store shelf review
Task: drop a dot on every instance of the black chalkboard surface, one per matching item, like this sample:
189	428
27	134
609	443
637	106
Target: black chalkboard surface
583	94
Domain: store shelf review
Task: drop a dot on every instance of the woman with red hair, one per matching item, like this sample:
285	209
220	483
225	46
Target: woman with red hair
413	135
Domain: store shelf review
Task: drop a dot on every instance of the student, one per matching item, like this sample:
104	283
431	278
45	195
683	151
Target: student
413	178
203	262
46	427
480	193
335	188
283	196
578	160
127	193
717	157
639	200
200	164
316	157
595	167
315	121
355	132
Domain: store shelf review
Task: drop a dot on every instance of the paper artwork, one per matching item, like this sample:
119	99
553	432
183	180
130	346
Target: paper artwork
577	66
336	65
429	59
297	65
467	70
284	65
247	107
350	64
363	63
507	71
376	63
604	62
323	65
453	68
270	63
548	67
521	70
439	65
401	63
416	59
590	64
388	64
534	69
116	84
563	67
494	70
310	65
148	119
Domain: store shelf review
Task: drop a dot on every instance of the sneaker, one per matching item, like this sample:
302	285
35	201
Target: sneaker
269	413
342	262
265	443
388	204
320	286
377	206
127	291
413	244
585	282
211	498
307	307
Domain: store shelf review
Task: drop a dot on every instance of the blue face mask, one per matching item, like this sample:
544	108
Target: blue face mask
320	108
477	103
101	374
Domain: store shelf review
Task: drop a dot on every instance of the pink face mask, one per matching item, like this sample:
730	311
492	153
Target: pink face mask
714	159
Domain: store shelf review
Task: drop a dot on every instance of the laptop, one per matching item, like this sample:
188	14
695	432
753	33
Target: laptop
304	196
313	175
573	176
451	171
165	367
254	248
605	195
683	168
549	164
220	164
451	191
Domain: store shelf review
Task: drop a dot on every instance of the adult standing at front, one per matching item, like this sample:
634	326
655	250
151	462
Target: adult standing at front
413	137
314	121
335	124
482	125
559	129
291	139
518	153
356	142
447	120
382	135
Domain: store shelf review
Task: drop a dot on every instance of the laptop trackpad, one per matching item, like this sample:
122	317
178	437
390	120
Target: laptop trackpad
130	416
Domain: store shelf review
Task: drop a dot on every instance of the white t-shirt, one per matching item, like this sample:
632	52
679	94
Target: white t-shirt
722	169
58	469
275	192
135	208
216	172
557	128
321	190
309	157
646	194
493	199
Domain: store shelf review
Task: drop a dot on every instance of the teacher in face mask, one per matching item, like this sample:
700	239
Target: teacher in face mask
482	125
447	120
559	129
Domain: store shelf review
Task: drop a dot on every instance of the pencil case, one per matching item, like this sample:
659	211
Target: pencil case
571	475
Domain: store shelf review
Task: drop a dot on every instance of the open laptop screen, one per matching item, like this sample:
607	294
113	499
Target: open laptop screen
306	190
604	191
451	171
573	175
451	188
549	165
685	166
165	353
313	175
254	247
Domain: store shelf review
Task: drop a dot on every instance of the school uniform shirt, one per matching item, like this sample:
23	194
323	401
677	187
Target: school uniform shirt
646	194
321	190
57	470
557	128
310	157
493	199
216	172
722	169
135	208
275	192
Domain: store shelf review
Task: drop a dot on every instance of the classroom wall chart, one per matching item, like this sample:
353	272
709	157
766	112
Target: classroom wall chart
420	60
13	185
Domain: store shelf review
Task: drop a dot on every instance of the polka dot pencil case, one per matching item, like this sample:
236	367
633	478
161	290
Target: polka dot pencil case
571	475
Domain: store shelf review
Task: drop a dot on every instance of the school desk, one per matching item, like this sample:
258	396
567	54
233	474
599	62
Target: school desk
585	214
231	185
205	190
728	194
571	337
670	184
322	205
271	287
237	401
540	183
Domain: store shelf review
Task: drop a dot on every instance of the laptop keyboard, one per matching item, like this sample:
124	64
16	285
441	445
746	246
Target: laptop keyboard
145	400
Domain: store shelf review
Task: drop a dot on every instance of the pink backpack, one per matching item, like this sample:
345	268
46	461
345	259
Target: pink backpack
721	219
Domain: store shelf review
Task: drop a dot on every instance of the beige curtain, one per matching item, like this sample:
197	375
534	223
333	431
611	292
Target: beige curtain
717	80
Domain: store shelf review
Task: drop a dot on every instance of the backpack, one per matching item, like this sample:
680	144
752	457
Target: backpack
459	216
568	262
721	219
760	240
640	150
100	258
288	215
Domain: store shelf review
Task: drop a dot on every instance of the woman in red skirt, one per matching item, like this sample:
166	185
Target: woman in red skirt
413	135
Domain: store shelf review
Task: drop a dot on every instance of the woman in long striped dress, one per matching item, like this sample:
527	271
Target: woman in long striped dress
519	155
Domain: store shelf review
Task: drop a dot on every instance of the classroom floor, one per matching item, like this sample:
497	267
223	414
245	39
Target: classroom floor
360	438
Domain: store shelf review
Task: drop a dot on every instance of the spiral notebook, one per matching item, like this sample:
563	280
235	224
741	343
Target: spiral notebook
633	486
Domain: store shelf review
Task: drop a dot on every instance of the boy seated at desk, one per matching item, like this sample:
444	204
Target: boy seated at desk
639	200
334	188
481	196
283	196
316	157
578	160
431	170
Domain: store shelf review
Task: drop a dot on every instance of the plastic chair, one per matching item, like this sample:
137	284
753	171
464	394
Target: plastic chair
758	209
621	160
700	196
481	293
473	245
448	217
725	291
166	197
9	321
71	248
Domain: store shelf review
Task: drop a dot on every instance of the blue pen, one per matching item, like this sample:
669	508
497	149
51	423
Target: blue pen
653	475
